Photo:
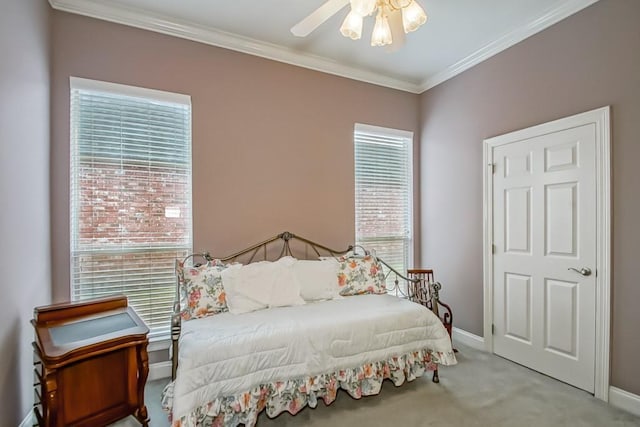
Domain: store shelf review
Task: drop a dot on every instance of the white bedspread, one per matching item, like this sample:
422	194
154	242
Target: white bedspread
227	354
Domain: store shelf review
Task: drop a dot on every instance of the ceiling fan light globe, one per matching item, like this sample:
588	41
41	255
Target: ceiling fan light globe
352	26
381	35
363	7
413	16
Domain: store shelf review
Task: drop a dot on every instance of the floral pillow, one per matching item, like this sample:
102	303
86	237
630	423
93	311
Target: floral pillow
360	275
203	290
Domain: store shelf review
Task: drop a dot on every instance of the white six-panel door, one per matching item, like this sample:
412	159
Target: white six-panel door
544	226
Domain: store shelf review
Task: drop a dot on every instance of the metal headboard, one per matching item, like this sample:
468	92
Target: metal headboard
285	237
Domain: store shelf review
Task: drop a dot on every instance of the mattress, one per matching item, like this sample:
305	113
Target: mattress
227	354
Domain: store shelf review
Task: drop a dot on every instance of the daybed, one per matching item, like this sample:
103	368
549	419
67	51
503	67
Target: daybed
279	335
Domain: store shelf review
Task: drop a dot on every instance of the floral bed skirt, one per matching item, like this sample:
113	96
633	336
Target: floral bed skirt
293	395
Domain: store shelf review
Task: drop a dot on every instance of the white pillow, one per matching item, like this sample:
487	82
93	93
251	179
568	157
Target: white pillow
318	280
286	289
248	287
260	285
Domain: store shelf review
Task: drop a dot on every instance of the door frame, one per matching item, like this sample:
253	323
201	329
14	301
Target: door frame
601	118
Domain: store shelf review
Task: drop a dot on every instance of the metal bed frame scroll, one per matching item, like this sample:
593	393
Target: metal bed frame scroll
414	289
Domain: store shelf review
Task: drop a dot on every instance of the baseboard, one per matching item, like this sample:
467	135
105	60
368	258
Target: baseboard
28	420
468	339
624	400
159	370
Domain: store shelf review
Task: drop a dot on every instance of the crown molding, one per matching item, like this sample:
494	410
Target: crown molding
190	31
509	39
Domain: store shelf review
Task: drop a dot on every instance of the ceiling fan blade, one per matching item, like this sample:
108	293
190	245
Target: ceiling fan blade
317	18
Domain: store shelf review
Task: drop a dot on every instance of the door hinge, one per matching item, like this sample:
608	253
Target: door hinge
493	249
493	329
492	167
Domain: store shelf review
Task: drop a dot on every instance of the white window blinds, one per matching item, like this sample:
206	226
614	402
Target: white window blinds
384	194
130	195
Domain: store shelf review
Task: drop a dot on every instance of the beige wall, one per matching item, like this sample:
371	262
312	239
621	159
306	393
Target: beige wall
590	60
272	143
24	191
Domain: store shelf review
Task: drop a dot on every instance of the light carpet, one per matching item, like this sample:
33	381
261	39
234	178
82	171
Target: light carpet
482	390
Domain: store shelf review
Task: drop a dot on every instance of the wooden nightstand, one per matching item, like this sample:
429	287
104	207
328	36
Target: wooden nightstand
90	363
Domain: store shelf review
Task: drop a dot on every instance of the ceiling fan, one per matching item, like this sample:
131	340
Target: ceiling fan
405	15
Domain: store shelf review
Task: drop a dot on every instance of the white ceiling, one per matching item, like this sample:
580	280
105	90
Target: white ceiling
457	35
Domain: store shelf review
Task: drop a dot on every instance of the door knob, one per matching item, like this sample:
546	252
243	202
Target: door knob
585	271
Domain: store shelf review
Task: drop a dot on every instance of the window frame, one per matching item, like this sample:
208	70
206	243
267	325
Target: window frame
159	336
407	136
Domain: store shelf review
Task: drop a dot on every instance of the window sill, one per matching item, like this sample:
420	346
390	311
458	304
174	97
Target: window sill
159	343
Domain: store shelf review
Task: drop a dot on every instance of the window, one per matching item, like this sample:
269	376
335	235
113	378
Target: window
130	195
384	194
